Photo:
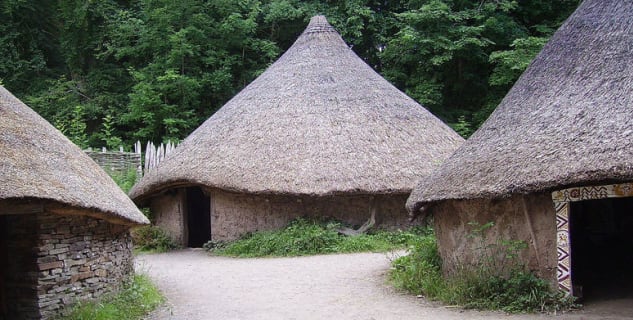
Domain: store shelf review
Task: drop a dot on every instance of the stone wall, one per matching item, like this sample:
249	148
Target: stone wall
235	214
80	258
529	218
59	260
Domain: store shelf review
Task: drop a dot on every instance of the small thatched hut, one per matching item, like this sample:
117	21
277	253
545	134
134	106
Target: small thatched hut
64	224
319	133
554	162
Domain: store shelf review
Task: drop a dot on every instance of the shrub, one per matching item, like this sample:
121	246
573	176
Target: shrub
419	272
153	239
308	237
125	180
488	285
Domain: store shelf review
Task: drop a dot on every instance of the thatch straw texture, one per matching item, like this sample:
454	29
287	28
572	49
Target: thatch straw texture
567	121
38	162
318	121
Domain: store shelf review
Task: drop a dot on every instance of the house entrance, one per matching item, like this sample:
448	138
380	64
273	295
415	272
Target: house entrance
594	240
3	265
601	241
198	217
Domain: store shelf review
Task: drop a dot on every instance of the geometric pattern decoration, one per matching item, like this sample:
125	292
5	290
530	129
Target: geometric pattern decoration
563	249
561	199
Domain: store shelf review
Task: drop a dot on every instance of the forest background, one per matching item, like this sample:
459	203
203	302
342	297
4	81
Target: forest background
108	73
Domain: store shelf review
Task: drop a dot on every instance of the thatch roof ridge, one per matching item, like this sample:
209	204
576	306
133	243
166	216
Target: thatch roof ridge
318	121
567	121
39	163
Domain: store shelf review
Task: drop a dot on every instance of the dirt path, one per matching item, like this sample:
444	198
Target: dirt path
350	286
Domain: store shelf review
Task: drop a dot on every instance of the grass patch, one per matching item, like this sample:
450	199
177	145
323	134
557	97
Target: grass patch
310	237
480	287
152	239
138	298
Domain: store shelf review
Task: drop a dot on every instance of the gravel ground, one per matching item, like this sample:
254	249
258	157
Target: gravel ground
346	286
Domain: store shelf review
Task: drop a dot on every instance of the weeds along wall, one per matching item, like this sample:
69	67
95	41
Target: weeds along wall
526	218
234	214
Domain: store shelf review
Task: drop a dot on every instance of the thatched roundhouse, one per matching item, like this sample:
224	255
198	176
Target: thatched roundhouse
64	224
554	162
319	133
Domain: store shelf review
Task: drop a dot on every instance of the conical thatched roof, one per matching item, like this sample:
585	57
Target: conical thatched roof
318	121
38	163
567	121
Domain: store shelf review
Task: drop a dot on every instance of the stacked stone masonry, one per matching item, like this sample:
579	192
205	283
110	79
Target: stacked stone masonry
63	259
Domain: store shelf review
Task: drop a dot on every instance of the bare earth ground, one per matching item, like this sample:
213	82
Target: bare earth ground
346	286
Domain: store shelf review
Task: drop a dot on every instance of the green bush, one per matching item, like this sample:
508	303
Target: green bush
485	286
136	299
419	272
309	237
152	239
125	180
520	291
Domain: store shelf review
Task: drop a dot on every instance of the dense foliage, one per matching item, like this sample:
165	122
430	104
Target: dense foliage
113	71
308	237
152	239
491	284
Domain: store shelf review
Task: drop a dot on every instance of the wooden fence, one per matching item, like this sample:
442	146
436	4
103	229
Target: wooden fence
118	161
155	154
122	161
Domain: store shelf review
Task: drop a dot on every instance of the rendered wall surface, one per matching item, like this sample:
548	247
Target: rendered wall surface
530	218
235	214
169	213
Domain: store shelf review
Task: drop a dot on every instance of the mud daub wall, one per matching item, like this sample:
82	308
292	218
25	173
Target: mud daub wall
529	218
234	214
63	259
169	213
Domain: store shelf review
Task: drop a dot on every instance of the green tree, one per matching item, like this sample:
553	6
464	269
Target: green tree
440	55
186	59
155	69
26	35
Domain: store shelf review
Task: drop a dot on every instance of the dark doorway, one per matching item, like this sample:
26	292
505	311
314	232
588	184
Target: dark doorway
198	217
602	248
3	266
